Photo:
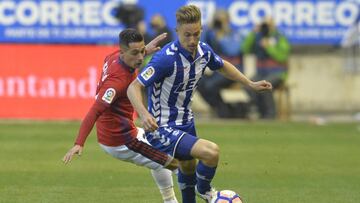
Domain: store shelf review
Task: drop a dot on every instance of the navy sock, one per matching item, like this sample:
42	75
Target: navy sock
204	176
187	186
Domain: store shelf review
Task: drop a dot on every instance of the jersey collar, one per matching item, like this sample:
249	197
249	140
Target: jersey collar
187	54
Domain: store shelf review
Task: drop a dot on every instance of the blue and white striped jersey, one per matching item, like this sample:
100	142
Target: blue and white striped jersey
171	77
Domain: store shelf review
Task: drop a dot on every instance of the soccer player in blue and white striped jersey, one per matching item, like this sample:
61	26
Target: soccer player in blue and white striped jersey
171	78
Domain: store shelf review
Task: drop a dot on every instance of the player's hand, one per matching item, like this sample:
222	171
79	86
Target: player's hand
261	85
149	123
77	149
153	45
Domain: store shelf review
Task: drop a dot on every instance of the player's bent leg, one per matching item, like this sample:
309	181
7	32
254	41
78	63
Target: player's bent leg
162	176
206	151
123	153
142	154
208	154
166	188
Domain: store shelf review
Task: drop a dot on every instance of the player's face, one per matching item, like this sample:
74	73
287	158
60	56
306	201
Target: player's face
189	36
133	55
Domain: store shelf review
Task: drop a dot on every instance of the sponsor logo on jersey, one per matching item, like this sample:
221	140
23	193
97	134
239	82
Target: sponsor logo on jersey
109	95
148	73
186	86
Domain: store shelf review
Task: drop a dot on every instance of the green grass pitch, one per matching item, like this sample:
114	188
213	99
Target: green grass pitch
266	162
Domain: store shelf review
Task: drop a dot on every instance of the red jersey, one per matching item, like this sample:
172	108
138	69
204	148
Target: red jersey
112	109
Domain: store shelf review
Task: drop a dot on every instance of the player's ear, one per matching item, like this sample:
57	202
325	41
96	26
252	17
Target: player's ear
122	49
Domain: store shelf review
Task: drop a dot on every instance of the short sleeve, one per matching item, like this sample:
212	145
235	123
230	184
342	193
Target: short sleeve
215	61
110	90
156	70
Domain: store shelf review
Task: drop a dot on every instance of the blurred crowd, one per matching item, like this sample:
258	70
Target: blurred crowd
271	49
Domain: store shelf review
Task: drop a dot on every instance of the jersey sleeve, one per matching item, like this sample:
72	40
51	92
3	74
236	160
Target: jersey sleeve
88	122
159	67
110	90
215	61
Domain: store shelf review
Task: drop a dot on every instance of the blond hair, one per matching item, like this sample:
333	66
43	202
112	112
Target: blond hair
188	14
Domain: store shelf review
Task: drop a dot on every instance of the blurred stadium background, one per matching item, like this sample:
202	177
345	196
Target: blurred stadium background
51	57
52	51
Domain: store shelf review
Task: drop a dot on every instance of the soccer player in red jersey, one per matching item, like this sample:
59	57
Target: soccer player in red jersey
113	114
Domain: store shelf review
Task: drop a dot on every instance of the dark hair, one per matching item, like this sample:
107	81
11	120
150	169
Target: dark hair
128	36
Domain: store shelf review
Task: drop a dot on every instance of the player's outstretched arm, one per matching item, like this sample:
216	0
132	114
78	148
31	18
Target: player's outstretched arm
232	73
152	46
85	128
76	149
135	96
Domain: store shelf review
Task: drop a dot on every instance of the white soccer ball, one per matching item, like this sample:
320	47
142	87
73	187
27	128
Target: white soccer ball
226	196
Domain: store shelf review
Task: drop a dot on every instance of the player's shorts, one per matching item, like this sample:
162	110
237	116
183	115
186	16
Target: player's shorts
139	152
176	141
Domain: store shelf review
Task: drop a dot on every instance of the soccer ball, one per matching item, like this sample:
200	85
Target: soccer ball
226	196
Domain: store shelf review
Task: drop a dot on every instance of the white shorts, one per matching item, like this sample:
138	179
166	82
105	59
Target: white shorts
150	158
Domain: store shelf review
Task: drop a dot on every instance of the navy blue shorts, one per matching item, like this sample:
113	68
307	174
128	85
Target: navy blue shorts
176	141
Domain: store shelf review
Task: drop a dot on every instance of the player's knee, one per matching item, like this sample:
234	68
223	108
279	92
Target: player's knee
211	154
208	152
214	153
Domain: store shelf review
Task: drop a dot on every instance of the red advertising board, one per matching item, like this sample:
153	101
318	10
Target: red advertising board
53	82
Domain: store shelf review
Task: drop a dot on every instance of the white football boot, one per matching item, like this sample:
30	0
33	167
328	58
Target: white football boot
208	195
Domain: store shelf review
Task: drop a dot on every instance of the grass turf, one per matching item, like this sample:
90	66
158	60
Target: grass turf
266	162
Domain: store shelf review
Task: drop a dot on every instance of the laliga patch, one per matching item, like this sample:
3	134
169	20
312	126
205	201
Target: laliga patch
148	73
109	95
